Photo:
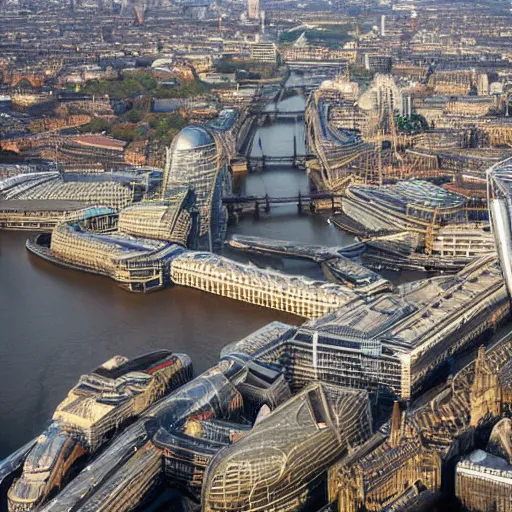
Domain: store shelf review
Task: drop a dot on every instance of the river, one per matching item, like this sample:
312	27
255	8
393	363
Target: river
57	323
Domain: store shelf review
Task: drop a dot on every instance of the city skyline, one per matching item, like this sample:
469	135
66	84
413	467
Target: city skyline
255	255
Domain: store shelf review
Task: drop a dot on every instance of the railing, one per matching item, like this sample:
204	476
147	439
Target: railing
318	196
279	114
279	159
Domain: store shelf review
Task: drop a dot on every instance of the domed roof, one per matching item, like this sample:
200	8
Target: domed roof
193	136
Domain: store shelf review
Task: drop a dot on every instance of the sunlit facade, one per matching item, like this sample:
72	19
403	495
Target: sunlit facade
196	159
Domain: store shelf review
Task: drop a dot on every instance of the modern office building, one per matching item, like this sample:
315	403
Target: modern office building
393	342
196	159
133	247
413	205
264	52
264	287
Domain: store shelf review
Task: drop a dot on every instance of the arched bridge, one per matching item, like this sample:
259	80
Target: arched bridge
15	79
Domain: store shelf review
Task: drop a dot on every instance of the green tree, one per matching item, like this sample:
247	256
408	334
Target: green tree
127	132
97	125
135	115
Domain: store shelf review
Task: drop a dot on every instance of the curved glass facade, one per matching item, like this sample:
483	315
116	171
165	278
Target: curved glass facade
196	159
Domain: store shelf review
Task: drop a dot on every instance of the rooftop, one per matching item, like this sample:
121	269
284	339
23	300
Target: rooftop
40	205
101	142
193	136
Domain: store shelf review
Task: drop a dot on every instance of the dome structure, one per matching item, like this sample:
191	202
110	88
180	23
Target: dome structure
196	159
193	137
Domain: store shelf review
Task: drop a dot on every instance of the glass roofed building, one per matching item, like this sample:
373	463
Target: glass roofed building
415	205
196	159
499	186
133	246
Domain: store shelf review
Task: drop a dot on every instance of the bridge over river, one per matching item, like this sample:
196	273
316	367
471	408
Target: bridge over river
279	115
262	162
254	143
256	203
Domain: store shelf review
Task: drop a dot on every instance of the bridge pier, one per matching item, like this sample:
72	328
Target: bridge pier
231	210
299	204
295	151
257	210
267	204
233	215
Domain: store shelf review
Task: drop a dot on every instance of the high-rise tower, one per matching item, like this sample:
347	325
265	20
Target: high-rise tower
195	159
253	9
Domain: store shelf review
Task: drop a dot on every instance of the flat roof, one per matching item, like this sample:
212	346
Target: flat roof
46	205
100	141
